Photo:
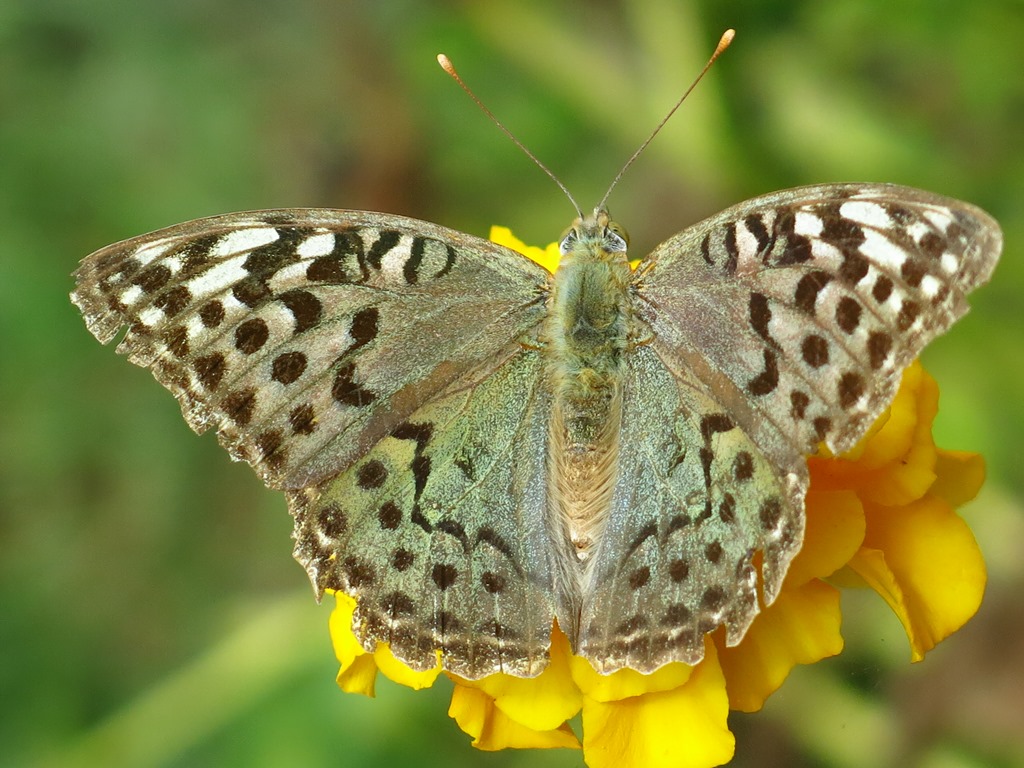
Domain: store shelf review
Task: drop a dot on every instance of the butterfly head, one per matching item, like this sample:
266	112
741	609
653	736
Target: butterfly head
595	232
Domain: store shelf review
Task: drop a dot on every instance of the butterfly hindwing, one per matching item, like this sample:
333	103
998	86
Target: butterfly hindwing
694	501
441	530
305	336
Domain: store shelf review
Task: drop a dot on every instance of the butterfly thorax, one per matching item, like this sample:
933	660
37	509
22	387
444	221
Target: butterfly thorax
586	338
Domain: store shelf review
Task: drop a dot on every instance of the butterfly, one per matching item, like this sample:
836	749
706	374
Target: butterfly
473	447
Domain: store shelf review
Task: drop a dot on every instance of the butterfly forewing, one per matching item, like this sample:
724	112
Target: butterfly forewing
305	336
801	308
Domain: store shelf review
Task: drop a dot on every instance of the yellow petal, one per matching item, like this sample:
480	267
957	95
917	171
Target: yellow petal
626	683
895	463
912	472
892	434
960	476
681	728
540	703
546	257
924	561
398	672
833	534
491	729
346	647
358	671
360	676
800	627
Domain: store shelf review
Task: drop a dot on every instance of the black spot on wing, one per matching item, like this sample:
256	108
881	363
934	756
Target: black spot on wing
768	379
334	267
251	335
705	249
387	240
264	262
364	327
173	301
212	313
760	316
714	423
755	226
732	249
153	278
807	289
306	308
288	367
348	391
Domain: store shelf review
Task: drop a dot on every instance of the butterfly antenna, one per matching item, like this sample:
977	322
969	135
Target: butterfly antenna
447	66
722	45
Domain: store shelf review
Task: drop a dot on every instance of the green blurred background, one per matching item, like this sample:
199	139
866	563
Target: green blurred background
150	612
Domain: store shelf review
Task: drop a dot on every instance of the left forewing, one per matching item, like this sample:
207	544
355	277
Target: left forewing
305	336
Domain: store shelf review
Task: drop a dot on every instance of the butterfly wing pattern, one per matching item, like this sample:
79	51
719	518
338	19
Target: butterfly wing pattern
774	326
324	329
441	530
401	383
312	342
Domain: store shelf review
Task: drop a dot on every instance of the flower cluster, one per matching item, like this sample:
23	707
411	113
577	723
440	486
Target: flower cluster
882	516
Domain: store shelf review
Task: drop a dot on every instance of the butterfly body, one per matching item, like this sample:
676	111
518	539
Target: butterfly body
587	336
473	448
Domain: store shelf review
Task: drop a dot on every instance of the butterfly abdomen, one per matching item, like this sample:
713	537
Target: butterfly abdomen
586	337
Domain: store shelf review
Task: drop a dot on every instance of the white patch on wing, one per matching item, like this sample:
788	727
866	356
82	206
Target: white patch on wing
151	315
219	277
826	253
745	241
392	265
807	224
882	250
317	245
866	213
930	285
240	240
152	251
232	305
938	218
288	274
195	326
131	295
917	230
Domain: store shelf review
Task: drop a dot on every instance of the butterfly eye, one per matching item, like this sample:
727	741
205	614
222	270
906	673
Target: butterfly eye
568	242
615	239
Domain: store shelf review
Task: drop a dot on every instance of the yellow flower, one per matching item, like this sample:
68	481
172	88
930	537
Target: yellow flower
882	515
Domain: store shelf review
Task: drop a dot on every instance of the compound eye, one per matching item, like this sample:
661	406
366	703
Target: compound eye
615	239
568	242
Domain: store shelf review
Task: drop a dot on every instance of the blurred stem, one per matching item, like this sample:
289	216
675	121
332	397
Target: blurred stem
244	667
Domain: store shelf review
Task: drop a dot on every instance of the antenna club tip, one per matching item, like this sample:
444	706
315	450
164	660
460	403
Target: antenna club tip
446	63
727	37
